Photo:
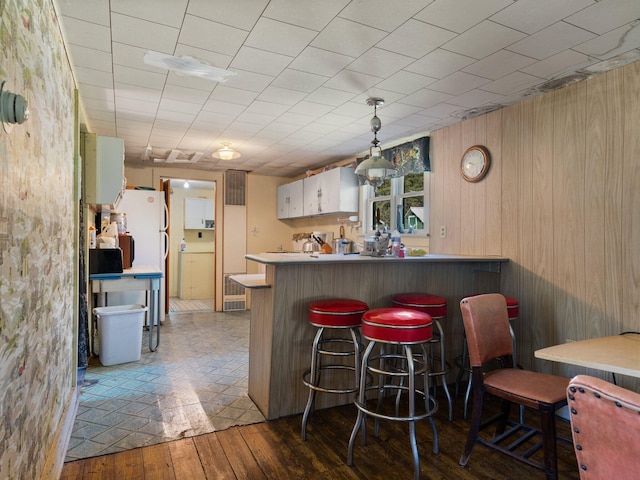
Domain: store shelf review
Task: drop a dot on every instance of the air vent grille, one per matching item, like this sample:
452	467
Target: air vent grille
235	295
235	191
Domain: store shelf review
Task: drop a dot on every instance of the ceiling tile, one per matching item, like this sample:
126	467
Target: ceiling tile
351	81
130	105
380	63
499	64
311	109
514	82
612	44
98	93
254	60
551	40
87	34
209	57
91	58
142	33
383	14
179	106
298	81
184	94
440	63
93	77
281	96
530	16
214	36
95	11
483	39
305	13
279	37
101	105
474	98
134	76
321	62
255	82
329	96
169	13
606	15
462	15
425	98
267	108
233	95
441	110
405	82
557	65
458	83
138	93
228	13
347	38
415	39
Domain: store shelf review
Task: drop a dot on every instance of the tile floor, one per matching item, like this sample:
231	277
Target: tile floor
195	383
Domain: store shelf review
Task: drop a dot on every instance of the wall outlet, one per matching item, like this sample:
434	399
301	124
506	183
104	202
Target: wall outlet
443	231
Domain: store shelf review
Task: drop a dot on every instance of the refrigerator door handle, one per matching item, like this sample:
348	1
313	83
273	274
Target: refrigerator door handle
166	244
165	221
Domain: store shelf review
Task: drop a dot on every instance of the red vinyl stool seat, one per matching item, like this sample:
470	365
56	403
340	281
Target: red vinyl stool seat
513	310
335	314
436	307
408	329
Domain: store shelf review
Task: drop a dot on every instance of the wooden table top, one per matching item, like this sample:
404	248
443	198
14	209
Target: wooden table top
617	354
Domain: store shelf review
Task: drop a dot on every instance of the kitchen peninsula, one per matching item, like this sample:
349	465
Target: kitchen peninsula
281	336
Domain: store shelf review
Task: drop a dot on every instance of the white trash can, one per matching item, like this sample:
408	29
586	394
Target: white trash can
120	333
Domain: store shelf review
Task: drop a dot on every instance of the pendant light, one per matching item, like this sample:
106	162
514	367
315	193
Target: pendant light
226	153
375	169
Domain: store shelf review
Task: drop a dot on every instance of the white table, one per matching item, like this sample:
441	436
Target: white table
617	354
144	277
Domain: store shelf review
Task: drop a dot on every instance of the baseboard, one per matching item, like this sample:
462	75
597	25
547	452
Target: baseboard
58	451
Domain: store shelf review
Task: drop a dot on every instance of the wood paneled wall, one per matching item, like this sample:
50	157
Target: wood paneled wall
562	201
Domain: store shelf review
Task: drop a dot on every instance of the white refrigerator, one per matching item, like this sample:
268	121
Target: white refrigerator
147	220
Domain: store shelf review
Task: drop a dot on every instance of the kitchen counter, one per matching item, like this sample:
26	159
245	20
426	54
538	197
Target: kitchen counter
144	277
281	336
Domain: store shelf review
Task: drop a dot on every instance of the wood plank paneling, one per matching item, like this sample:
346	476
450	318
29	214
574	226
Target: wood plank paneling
569	209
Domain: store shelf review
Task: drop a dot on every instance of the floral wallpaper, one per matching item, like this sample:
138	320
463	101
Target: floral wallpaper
37	310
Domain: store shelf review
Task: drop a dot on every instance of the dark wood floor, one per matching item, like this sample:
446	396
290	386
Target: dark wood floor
273	450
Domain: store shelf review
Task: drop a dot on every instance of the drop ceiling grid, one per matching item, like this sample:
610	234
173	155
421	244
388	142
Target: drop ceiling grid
305	69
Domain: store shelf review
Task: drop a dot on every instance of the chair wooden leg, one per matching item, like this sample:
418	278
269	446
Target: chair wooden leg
476	414
548	427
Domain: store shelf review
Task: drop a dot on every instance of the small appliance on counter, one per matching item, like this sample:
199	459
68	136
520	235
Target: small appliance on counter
127	245
105	260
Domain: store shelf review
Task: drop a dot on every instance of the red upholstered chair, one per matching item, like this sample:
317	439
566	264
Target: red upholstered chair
396	370
513	311
486	324
605	424
336	314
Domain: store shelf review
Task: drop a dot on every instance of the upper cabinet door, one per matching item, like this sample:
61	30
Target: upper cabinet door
332	191
290	200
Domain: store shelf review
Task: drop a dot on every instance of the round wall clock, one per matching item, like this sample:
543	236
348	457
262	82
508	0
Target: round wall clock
475	163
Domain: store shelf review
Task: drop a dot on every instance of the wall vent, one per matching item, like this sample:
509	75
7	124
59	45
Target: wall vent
235	295
235	187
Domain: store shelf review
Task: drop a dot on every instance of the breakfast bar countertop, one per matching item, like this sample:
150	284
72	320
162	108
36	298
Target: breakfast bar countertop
308	258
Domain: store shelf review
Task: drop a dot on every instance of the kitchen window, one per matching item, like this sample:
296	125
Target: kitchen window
398	204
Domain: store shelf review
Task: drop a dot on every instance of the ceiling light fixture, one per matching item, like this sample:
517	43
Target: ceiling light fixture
186	66
226	153
186	184
375	169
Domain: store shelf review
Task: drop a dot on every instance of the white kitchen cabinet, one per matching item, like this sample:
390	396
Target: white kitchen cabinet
199	213
290	200
333	191
103	169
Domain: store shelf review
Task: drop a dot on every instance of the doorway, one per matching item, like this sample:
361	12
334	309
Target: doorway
192	245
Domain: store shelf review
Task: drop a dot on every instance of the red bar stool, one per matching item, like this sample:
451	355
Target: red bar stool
334	314
407	329
436	307
513	310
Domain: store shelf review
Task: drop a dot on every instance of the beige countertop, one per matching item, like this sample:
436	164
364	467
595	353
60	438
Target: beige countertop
310	258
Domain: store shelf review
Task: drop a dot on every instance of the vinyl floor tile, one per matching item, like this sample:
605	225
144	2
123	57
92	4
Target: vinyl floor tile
195	383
